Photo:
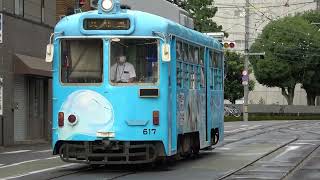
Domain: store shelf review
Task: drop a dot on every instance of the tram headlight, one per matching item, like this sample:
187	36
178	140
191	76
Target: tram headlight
107	5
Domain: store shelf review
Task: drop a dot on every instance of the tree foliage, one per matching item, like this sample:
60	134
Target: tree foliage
233	89
202	13
311	75
290	44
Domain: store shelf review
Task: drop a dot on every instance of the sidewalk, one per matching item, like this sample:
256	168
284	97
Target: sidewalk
26	146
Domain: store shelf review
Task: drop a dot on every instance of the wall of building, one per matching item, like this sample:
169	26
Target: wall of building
33	11
158	7
27	35
65	6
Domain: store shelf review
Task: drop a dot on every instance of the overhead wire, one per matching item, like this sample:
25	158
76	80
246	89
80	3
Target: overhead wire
225	6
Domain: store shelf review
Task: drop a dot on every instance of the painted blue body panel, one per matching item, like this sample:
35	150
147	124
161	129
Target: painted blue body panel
125	112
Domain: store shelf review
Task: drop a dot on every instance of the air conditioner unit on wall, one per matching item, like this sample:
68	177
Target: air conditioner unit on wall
94	4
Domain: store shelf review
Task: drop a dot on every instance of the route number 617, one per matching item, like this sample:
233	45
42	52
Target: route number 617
149	131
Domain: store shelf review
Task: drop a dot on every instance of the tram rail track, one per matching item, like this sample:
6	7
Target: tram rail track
230	173
291	170
265	130
260	133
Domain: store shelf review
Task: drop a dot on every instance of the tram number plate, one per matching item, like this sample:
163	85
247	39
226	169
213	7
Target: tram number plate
149	131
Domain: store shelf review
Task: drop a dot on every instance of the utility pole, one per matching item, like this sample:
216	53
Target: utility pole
76	6
246	62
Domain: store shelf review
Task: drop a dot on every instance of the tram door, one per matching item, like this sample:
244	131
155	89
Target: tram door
38	104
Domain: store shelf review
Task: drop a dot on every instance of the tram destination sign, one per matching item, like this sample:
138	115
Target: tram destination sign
106	24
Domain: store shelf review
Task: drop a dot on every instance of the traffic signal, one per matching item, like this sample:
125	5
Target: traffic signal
228	45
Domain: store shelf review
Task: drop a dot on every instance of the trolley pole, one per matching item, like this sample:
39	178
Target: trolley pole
246	62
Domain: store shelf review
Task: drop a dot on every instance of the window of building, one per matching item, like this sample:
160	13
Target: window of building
134	61
81	61
19	7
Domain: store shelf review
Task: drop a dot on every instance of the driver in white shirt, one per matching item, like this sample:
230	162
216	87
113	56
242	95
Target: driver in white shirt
122	71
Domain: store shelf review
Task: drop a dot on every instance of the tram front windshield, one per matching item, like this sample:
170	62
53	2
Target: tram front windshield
133	61
81	61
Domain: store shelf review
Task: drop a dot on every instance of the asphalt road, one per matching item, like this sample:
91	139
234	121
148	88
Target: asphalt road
251	150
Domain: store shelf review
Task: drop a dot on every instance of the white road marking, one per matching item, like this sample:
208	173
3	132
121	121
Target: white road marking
1	165
15	152
48	150
304	143
242	129
244	125
223	148
310	140
230	139
23	162
39	171
290	148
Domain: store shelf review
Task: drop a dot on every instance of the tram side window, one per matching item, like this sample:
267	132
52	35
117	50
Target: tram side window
196	55
185	51
140	64
218	79
216	62
81	61
179	50
211	69
203	77
219	60
191	54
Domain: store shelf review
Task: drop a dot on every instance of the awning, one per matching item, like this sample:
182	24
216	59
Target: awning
24	64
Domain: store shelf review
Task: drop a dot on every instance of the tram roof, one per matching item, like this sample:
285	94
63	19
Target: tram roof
145	24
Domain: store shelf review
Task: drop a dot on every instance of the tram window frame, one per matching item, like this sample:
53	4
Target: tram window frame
101	80
136	82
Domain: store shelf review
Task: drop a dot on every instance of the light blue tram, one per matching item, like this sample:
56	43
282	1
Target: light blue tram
130	87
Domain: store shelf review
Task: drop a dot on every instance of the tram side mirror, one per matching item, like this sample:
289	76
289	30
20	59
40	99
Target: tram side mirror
166	57
49	53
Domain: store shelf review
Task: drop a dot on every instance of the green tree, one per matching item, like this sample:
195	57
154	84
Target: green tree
311	75
202	13
288	43
233	89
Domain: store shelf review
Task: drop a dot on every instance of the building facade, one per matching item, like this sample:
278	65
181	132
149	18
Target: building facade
231	15
25	99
